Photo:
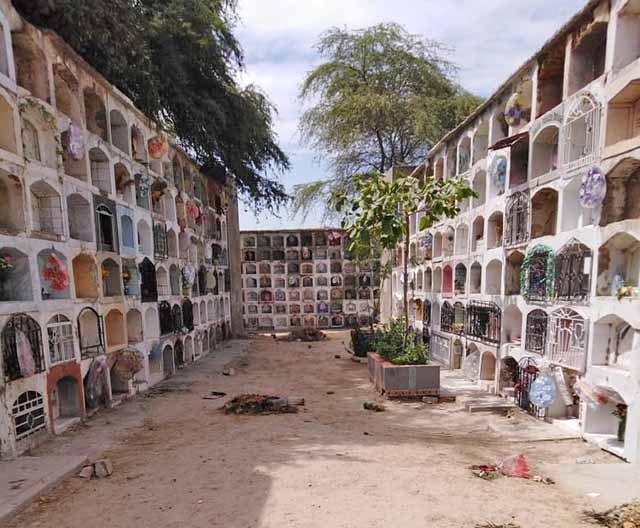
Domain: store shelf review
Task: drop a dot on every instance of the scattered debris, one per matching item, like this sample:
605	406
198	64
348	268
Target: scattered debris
431	399
296	400
625	516
485	471
228	371
99	469
543	480
215	395
373	406
17	484
168	387
513	466
330	392
365	433
337	356
259	404
304	334
493	525
585	460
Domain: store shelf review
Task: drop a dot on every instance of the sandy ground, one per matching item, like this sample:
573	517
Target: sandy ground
180	462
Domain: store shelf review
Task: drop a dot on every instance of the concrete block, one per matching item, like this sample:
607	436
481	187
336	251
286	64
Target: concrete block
103	468
86	472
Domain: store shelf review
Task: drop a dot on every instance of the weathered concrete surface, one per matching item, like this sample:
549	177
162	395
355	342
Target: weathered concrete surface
28	477
604	485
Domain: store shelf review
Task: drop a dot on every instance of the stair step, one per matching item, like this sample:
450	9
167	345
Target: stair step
474	407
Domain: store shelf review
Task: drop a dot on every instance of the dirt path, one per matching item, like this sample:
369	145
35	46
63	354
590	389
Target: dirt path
179	462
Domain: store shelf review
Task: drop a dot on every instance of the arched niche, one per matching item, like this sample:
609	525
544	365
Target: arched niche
11	202
618	264
145	239
125	183
151	323
495	230
544	213
480	188
95	113
31	66
54	275
135	330
99	169
475	278
46	208
115	329
111	279
7	126
119	131
79	213
66	88
493	280
15	281
623	188
544	151
85	277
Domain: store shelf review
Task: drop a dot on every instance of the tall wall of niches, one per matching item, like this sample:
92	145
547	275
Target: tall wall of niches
305	278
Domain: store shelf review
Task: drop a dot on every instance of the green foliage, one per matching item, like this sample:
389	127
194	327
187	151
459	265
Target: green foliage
380	208
379	211
414	354
177	60
381	98
389	344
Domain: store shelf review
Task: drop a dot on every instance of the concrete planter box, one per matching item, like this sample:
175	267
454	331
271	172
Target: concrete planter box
410	380
403	380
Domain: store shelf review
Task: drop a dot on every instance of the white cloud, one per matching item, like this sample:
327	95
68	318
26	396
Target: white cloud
490	38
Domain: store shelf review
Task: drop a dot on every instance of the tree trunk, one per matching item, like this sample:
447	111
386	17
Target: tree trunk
405	286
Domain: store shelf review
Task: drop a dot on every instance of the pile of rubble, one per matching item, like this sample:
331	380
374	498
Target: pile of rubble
99	469
625	516
306	335
262	404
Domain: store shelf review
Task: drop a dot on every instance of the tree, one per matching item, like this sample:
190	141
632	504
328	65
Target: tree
381	98
380	210
177	60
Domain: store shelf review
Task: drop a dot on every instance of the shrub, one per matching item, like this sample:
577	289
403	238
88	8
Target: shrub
414	354
361	342
388	343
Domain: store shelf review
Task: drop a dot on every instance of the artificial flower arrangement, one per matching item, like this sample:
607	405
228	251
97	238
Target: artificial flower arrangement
55	273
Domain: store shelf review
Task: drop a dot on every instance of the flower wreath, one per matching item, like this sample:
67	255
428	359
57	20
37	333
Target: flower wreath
55	273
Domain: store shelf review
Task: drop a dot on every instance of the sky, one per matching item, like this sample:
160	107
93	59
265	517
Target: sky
489	40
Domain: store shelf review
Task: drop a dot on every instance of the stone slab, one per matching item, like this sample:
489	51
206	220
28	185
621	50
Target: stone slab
26	478
602	485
